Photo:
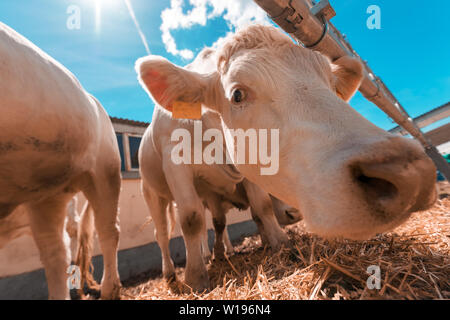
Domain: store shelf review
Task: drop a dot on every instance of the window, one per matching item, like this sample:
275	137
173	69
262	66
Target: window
129	150
134	143
122	157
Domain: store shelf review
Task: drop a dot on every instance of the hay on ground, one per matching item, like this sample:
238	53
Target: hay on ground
414	261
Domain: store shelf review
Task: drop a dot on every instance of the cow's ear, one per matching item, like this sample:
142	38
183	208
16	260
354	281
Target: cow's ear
170	85
348	75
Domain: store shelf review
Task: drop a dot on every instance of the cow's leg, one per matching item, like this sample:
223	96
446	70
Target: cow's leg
72	226
260	226
157	206
205	245
261	206
228	245
191	213
47	226
219	222
102	191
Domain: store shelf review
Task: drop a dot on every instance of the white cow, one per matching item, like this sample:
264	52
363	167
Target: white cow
55	140
347	177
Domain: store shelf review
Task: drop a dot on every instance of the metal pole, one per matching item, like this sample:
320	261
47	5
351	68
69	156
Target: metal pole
309	24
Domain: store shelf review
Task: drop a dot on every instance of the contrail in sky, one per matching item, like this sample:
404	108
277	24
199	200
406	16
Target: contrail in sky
136	23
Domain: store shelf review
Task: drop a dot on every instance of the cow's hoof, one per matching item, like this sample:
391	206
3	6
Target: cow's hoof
170	277
219	258
198	283
207	258
219	252
230	252
280	242
112	293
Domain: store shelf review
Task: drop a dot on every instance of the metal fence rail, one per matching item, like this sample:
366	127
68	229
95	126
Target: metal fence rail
309	24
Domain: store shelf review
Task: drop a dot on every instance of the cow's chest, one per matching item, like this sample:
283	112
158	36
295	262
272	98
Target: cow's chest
219	177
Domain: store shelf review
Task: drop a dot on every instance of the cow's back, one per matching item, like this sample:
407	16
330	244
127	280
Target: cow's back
48	123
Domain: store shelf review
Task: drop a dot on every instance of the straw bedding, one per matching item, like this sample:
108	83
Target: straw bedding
414	261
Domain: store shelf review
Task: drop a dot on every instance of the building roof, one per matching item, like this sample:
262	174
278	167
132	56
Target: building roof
130	122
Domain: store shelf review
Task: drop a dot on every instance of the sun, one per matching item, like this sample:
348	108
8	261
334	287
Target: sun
99	6
98	14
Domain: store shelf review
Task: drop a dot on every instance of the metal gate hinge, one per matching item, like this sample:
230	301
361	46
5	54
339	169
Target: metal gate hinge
323	9
288	19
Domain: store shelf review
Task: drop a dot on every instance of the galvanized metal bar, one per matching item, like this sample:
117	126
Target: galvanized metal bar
296	18
427	118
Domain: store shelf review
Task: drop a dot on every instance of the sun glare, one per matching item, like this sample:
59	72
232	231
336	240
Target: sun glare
99	7
98	15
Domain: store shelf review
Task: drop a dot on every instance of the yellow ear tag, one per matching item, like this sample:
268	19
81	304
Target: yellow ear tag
186	110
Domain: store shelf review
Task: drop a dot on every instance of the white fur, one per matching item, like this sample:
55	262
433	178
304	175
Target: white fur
55	140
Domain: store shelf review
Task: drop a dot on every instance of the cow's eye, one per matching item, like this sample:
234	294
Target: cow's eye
238	96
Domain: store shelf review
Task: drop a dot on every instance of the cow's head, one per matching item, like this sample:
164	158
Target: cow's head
284	213
348	177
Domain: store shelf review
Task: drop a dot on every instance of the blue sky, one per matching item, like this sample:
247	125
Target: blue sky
411	52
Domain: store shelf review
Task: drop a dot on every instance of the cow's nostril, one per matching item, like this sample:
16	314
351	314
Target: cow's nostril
377	189
390	179
290	216
379	184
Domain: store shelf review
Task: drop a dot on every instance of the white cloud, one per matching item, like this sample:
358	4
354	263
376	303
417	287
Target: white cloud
237	13
219	42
